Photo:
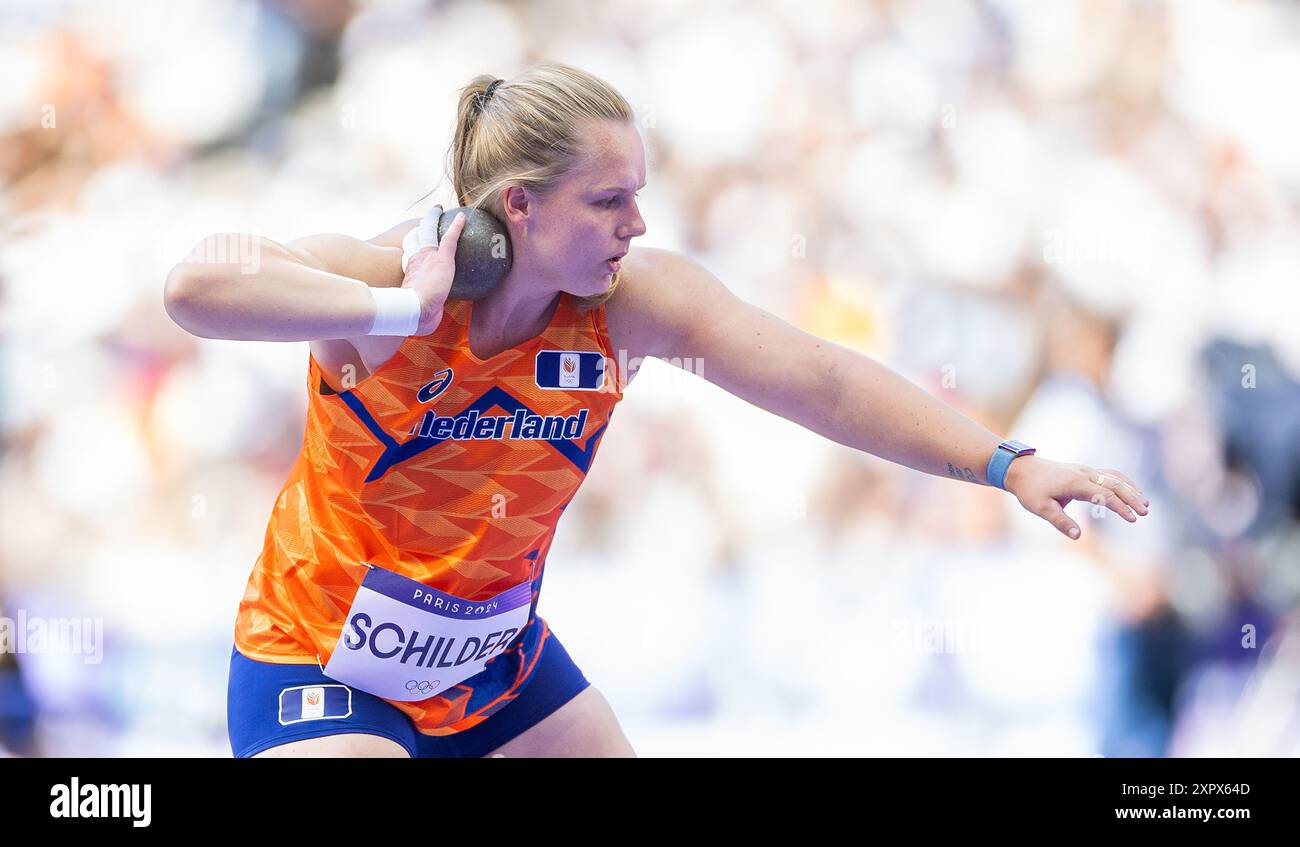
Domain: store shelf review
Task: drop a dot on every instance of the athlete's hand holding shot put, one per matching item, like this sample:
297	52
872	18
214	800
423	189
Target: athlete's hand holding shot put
432	269
312	288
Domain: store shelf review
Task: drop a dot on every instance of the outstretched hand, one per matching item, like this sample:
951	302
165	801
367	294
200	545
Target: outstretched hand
1044	487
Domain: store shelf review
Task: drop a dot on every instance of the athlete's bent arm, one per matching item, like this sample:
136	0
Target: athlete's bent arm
848	397
249	288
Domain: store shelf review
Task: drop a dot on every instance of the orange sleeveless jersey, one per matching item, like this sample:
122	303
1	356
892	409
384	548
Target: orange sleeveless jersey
446	469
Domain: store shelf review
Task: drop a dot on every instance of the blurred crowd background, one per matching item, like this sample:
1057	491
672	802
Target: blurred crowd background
1074	221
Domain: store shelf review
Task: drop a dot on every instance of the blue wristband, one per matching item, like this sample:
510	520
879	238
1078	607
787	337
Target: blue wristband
1001	460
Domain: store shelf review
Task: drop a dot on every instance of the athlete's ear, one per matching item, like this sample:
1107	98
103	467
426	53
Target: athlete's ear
516	202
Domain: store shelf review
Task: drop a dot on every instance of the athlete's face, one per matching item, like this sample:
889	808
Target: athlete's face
570	234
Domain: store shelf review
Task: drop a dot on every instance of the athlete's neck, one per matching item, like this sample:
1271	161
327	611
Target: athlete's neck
509	316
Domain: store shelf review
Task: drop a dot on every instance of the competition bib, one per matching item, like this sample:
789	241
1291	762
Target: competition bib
406	641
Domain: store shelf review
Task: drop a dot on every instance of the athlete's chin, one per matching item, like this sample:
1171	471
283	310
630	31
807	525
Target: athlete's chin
600	283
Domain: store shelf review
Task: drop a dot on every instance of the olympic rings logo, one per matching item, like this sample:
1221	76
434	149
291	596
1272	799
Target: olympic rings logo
421	685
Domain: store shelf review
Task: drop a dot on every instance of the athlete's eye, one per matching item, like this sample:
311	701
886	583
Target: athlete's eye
609	204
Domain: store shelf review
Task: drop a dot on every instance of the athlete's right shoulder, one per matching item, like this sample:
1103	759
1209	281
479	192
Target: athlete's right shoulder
376	262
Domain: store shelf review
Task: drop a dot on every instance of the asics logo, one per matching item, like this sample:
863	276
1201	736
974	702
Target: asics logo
441	380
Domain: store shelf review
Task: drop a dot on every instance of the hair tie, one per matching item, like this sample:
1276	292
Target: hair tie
487	95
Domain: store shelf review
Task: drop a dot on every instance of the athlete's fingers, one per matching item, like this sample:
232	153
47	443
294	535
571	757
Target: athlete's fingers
410	246
1132	488
1056	516
417	238
1124	492
452	236
1102	495
428	227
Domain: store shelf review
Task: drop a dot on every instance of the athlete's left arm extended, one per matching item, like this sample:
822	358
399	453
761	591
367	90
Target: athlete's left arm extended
856	401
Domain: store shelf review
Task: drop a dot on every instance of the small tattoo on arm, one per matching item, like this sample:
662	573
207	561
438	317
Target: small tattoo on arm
962	473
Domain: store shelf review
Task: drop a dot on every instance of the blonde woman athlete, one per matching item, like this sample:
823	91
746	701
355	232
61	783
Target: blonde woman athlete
392	611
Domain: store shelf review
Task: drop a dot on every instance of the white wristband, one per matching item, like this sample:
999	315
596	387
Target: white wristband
397	311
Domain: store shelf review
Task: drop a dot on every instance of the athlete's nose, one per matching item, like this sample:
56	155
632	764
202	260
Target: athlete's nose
634	227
